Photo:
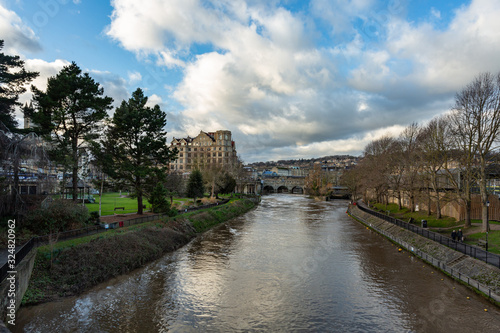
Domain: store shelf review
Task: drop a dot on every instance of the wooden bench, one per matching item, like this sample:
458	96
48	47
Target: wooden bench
119	208
482	243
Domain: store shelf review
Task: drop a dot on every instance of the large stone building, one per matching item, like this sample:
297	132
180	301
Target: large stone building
213	148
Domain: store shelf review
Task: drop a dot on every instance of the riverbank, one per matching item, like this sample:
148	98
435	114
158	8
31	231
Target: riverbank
78	267
482	277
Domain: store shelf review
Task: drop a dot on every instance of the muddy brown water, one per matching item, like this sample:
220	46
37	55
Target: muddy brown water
290	265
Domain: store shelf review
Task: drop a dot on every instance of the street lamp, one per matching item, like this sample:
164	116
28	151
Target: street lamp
487	223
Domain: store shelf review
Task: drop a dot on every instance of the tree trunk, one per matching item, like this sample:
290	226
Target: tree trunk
74	190
438	206
484	214
75	169
139	204
429	204
138	190
467	205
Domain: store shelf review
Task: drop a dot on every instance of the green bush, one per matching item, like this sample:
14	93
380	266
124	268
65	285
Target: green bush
94	218
60	215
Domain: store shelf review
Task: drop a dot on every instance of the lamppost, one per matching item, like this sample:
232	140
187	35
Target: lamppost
487	223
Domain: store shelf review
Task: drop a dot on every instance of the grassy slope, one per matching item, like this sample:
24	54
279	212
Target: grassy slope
84	262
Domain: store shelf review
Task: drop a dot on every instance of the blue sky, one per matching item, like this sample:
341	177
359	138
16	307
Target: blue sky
290	79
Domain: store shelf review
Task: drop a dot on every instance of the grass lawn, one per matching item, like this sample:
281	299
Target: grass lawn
112	200
493	239
405	214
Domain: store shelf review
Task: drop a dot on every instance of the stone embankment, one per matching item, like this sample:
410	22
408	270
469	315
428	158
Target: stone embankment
477	274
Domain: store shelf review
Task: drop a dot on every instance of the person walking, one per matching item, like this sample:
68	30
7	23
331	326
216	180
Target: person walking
460	235
454	235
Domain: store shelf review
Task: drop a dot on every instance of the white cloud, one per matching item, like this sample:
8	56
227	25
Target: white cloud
45	70
18	36
154	100
134	77
114	85
436	13
256	68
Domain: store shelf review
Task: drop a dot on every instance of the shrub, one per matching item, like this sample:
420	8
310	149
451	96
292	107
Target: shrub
58	216
94	218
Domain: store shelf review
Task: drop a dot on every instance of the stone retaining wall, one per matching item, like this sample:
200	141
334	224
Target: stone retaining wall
477	274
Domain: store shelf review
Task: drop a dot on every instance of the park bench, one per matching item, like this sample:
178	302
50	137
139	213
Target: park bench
482	243
119	208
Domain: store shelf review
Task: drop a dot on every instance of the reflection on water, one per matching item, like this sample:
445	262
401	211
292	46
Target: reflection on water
290	265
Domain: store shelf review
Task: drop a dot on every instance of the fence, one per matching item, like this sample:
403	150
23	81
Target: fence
470	250
20	254
41	240
433	261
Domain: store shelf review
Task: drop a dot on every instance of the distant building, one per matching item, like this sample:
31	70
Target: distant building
208	148
281	171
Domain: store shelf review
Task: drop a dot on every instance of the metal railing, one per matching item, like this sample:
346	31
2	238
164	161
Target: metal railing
20	254
95	229
470	250
433	261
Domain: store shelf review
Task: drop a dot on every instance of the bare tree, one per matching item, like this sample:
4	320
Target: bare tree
434	141
377	167
476	120
410	159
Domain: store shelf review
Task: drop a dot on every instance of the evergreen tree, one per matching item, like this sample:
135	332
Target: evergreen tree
158	199
13	77
195	188
70	115
135	149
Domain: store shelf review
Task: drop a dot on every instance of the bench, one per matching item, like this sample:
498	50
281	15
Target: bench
119	208
482	243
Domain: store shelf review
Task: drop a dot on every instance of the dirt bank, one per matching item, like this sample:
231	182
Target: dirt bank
80	267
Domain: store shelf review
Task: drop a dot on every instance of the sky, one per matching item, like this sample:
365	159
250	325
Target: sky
290	79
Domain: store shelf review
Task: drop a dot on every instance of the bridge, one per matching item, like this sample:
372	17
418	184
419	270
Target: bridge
274	184
282	184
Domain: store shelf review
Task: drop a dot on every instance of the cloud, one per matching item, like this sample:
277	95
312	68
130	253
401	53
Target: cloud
45	70
114	85
18	37
274	78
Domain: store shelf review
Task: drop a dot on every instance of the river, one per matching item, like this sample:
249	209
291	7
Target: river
290	265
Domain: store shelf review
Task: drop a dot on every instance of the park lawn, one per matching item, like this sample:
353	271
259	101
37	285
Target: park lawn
405	215
493	240
112	200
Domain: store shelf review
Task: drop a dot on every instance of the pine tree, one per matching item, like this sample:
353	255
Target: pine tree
134	150
70	114
13	77
195	188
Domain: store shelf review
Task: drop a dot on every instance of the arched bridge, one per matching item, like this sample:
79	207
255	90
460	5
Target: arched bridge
267	185
293	185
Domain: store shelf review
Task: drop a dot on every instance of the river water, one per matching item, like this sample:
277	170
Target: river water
290	265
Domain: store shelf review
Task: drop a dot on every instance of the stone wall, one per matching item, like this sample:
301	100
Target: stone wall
18	282
477	274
